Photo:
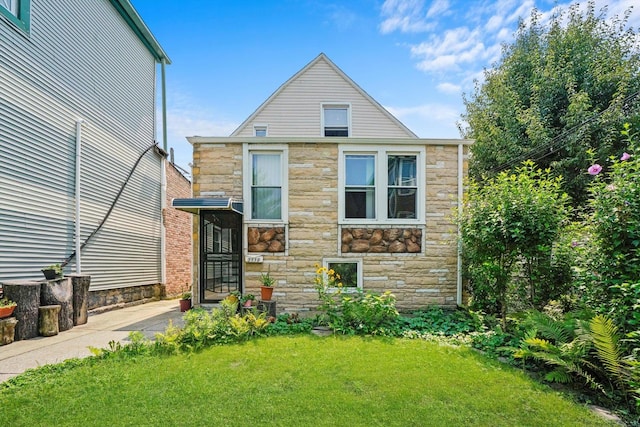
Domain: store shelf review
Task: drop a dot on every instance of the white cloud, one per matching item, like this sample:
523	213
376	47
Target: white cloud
429	120
404	15
438	7
449	88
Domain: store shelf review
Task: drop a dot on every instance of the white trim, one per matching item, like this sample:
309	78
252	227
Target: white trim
357	261
337	104
381	180
282	149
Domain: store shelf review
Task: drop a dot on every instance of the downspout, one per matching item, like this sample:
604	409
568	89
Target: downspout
460	183
78	172
163	177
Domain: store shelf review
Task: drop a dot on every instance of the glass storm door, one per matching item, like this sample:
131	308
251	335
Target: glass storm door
220	254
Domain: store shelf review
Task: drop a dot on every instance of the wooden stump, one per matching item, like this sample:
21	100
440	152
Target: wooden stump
27	295
80	285
59	292
48	320
7	330
268	307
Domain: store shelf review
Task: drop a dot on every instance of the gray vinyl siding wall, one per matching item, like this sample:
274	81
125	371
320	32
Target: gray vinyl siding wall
296	110
79	61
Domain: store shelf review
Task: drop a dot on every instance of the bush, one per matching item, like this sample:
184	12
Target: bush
354	312
509	227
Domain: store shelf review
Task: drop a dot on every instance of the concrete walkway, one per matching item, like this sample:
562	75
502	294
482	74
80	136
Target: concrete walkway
100	329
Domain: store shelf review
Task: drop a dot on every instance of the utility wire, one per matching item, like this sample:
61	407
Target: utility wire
545	150
113	204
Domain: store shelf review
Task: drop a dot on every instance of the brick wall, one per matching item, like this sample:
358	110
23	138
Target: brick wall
178	228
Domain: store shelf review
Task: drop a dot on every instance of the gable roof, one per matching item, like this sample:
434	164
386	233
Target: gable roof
322	58
131	17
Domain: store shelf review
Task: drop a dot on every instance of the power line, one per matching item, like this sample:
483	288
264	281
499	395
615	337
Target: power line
545	150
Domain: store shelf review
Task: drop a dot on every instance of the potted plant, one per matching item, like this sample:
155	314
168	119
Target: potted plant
53	271
185	299
247	300
6	307
266	290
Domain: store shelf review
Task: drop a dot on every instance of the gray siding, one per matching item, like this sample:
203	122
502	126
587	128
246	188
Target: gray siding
296	110
80	61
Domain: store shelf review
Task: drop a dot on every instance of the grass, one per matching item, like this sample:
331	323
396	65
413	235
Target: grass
291	381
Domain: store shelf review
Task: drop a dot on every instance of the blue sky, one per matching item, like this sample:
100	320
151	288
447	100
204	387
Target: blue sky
415	57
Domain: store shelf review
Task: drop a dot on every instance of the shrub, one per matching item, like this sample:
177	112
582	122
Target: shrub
510	225
355	312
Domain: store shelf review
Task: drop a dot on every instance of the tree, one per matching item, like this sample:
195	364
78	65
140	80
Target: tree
559	90
509	228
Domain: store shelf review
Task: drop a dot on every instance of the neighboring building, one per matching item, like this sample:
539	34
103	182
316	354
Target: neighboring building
321	174
81	72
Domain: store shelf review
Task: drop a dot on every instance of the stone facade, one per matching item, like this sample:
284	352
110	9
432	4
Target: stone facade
266	239
178	228
117	298
381	240
418	263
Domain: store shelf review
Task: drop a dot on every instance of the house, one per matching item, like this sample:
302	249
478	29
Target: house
81	177
321	174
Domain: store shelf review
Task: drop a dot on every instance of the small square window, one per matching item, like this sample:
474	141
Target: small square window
348	272
260	130
336	120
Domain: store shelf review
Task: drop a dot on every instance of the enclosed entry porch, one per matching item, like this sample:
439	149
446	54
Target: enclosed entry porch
219	255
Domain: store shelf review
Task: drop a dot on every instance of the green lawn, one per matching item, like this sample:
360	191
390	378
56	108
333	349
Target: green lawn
292	381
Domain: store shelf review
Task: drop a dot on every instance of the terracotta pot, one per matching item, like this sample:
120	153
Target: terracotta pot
266	292
6	311
247	303
185	304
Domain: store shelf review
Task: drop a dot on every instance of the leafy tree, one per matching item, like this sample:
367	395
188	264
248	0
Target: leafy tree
559	90
510	225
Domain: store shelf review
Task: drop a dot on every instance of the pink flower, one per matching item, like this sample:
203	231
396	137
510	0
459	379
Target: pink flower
625	156
594	169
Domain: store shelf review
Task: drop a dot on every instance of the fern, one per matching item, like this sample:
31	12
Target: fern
606	342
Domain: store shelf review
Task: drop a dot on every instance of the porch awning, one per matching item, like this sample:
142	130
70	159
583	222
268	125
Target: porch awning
196	205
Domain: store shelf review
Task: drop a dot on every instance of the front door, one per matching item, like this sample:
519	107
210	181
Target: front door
220	254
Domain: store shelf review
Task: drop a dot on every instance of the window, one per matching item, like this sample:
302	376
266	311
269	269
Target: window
381	185
402	186
260	130
17	11
360	186
335	120
349	270
266	186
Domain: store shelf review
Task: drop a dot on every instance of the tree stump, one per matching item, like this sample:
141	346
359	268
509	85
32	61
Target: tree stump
7	330
80	285
48	320
27	295
59	292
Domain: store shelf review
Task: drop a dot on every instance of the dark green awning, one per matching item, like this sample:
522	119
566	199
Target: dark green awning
196	205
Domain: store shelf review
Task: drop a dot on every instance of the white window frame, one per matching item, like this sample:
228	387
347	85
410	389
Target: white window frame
382	183
335	105
248	150
259	127
360	275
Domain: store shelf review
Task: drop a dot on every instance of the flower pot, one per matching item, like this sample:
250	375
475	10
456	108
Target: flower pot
266	292
6	311
50	274
185	304
247	303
